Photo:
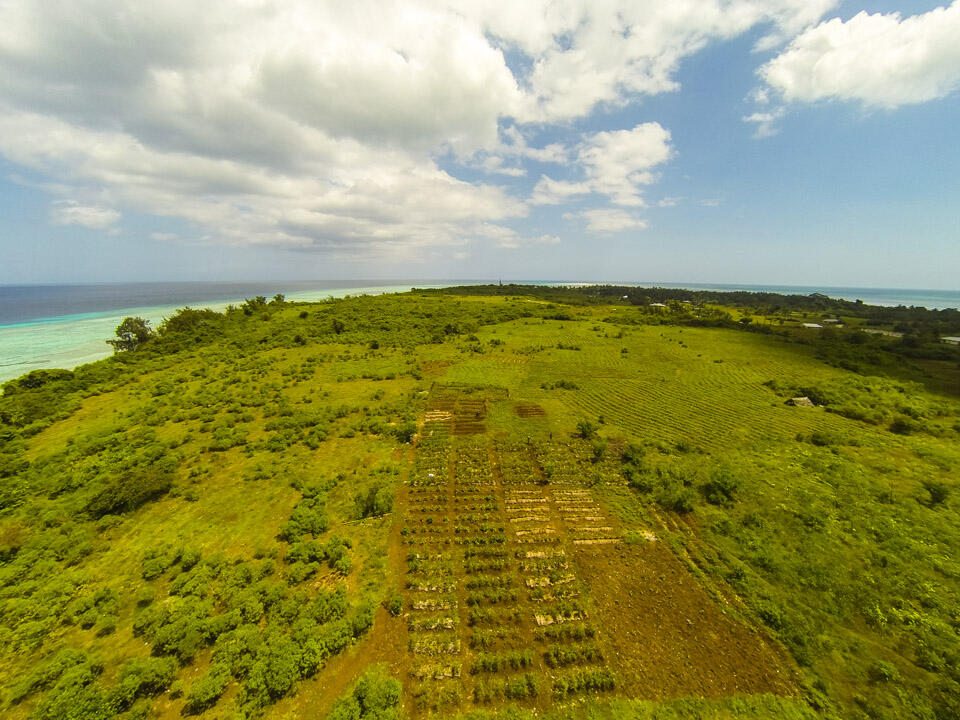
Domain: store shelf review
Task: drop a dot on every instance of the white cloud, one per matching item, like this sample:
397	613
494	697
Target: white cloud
341	126
609	220
548	191
765	122
509	238
880	60
519	242
669	202
494	164
70	212
587	53
618	163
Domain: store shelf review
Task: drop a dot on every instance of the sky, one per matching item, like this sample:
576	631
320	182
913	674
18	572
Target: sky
781	142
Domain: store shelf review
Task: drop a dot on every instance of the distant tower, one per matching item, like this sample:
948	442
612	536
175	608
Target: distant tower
501	282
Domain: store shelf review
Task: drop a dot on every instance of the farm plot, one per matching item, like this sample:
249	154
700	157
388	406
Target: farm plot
520	588
670	639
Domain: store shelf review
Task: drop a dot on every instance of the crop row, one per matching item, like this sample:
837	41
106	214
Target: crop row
498	662
520	687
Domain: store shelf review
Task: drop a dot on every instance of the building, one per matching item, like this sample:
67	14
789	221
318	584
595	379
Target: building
812	325
950	340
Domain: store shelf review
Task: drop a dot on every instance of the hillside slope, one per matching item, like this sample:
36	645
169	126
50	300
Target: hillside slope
499	501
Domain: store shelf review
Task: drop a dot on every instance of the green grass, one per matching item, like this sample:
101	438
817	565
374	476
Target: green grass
837	534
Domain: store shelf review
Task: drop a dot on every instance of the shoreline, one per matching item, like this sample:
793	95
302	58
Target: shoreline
69	341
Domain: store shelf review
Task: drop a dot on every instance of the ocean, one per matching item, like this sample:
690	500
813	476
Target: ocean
62	326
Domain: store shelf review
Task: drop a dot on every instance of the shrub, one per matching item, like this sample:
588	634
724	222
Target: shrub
721	486
394	605
903	425
882	672
376	696
142	677
375	501
937	492
586	429
50	672
129	491
676	497
145	596
206	690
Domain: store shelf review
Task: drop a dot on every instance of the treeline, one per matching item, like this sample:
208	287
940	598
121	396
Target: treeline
910	320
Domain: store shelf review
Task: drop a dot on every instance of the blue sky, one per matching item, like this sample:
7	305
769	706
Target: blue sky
304	145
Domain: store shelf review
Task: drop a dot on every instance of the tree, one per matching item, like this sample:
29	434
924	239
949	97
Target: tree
585	429
131	334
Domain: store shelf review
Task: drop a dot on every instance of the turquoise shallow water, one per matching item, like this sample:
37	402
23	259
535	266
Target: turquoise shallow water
71	340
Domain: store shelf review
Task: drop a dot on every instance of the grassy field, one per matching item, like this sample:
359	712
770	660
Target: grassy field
438	505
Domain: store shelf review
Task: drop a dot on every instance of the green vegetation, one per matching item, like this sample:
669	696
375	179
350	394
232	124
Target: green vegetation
375	696
201	524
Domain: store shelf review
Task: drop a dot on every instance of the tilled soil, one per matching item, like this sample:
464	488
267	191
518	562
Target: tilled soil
668	637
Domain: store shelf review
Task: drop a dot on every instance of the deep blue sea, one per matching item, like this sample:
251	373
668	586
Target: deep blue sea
46	326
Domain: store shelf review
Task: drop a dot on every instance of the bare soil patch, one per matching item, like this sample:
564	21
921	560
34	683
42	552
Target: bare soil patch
529	411
669	639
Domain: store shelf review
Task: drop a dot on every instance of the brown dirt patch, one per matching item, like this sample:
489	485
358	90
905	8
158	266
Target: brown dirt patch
529	411
469	428
668	638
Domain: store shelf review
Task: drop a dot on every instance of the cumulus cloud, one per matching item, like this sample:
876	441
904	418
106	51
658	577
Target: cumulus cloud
603	221
765	122
343	126
548	191
508	238
70	212
880	60
586	53
616	164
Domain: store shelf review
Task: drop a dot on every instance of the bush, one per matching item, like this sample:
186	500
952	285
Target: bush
143	677
50	672
937	492
375	501
376	696
129	491
206	690
903	425
586	429
405	432
721	486
676	497
394	605
883	672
